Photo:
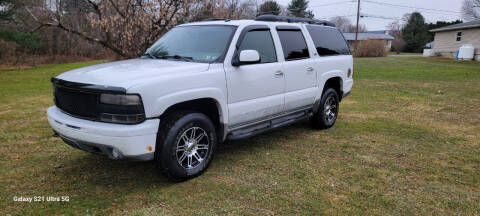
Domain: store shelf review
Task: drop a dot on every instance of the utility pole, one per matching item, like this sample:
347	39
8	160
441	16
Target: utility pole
358	21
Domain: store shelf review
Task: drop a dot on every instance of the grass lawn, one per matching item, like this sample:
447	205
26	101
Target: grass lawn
407	142
403	53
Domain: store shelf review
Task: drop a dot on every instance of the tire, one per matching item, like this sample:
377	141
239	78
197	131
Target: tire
180	155
326	114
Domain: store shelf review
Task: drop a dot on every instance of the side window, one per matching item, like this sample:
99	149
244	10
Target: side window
459	36
293	44
260	40
328	41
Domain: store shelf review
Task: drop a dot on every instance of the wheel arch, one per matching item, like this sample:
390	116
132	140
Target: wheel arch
210	106
330	80
333	79
336	83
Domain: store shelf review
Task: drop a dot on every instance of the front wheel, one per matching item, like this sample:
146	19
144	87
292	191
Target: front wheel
186	145
327	112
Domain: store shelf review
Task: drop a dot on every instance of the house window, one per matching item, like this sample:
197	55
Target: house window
459	36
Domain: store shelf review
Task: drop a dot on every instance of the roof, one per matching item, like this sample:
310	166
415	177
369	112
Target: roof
467	25
381	32
367	36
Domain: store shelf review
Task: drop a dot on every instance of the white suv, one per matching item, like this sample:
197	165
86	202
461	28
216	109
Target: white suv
201	84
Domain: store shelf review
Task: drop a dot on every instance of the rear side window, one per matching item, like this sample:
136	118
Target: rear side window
260	40
328	41
293	44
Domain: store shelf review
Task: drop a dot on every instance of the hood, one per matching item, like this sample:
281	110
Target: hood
130	72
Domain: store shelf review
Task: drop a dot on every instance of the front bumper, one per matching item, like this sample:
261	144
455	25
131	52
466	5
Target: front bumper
117	141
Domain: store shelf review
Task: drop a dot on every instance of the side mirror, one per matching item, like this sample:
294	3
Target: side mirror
248	57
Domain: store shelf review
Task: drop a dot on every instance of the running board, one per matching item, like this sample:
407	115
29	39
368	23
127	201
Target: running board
269	124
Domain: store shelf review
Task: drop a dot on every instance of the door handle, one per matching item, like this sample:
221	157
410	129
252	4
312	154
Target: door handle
278	73
310	69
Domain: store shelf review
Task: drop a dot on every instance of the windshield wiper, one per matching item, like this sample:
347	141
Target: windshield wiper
150	56
184	58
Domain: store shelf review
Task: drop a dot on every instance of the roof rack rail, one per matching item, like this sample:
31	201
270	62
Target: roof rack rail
216	19
289	19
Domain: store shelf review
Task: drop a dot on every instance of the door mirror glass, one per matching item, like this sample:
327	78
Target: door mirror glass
249	57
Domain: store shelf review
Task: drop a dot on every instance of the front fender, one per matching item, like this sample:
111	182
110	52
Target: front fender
164	102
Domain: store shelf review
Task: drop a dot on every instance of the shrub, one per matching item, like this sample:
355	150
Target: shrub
370	48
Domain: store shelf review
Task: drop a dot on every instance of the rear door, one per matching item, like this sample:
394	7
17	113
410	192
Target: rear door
299	70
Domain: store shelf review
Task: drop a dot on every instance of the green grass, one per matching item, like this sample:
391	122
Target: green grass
407	142
403	53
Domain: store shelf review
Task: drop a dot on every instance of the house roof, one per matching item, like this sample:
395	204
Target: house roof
367	36
467	25
381	32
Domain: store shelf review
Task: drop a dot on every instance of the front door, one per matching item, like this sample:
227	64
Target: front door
255	91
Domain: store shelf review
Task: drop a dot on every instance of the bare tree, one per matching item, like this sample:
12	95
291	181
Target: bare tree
471	10
353	28
342	23
398	44
127	27
345	25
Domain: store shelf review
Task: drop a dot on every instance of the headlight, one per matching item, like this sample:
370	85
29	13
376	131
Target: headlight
118	99
121	108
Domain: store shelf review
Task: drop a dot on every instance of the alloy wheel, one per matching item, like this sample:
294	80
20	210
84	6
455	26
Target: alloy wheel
192	147
330	109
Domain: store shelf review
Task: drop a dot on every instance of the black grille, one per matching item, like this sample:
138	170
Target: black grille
83	101
77	103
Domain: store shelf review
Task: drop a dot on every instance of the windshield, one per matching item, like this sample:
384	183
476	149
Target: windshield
192	43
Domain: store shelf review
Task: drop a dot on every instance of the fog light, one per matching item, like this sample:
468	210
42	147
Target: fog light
115	153
122	119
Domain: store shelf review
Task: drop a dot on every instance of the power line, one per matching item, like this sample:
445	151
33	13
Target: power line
379	17
326	18
330	4
415	8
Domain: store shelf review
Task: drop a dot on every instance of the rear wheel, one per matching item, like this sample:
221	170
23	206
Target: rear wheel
326	115
186	145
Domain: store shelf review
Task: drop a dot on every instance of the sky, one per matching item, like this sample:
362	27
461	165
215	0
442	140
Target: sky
380	13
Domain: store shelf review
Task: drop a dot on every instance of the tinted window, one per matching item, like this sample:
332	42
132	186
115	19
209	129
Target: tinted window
260	40
293	44
328	41
199	43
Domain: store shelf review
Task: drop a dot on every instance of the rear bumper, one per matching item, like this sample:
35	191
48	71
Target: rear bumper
117	141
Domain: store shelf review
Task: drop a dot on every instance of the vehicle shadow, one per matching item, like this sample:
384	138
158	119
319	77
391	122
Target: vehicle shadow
99	171
264	139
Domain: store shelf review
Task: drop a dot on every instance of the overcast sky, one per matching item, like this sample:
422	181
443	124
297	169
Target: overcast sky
384	12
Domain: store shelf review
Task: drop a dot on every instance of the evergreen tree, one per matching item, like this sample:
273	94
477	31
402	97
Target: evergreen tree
415	33
298	8
270	7
23	39
6	10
